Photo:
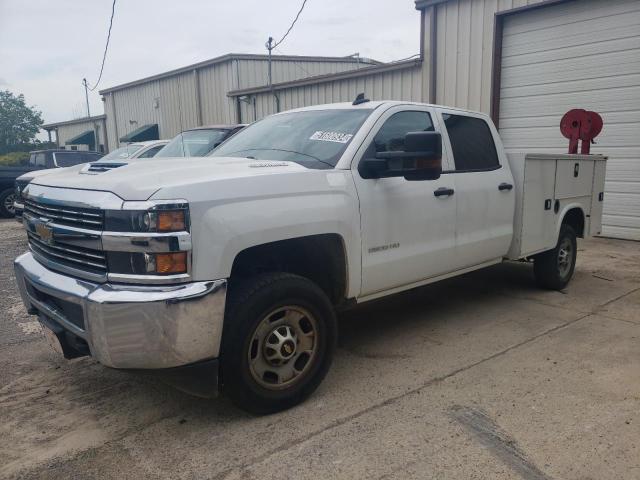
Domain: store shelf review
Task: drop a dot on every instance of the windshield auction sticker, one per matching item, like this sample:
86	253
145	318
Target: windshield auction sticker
331	136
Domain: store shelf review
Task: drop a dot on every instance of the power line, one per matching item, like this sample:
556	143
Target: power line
292	24
106	47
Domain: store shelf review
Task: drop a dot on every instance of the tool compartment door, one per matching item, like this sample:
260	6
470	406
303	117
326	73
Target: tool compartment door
538	218
574	178
597	199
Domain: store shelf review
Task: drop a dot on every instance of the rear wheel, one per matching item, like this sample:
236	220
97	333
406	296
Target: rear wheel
278	341
553	269
7	198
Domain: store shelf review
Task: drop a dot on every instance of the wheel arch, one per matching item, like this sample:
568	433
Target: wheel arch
321	258
574	216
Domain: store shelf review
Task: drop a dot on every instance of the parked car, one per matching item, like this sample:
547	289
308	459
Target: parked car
137	150
199	141
231	268
38	160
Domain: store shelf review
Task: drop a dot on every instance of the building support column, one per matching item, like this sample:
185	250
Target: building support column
428	53
196	86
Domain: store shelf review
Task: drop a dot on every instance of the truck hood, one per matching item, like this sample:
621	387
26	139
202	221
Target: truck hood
139	180
29	176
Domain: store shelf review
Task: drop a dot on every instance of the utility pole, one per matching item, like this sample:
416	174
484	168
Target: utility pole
270	46
86	95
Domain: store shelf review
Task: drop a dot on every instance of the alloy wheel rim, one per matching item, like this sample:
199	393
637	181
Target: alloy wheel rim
283	347
8	203
565	257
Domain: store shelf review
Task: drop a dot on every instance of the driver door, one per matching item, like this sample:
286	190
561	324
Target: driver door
408	230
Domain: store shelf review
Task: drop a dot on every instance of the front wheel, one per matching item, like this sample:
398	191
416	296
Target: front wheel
6	203
279	336
553	269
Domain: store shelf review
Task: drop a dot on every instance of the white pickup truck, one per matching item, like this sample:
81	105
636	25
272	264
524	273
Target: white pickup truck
228	270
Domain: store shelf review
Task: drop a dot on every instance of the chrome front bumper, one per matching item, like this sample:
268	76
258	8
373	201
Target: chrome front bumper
18	209
127	326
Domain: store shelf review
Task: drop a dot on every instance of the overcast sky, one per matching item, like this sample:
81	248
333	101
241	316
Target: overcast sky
47	47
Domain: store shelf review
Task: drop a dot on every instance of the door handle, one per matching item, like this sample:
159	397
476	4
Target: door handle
443	191
505	186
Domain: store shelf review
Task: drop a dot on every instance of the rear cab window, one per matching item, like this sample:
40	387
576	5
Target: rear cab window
69	159
472	144
38	160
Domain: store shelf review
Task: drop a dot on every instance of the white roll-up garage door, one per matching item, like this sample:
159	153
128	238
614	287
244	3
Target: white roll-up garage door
578	54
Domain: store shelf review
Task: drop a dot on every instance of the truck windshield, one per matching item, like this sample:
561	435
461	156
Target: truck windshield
312	138
193	143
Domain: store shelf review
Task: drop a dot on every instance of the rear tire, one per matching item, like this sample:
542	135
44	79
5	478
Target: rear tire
553	269
6	203
278	341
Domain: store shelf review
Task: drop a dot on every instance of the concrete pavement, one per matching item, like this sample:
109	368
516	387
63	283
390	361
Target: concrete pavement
482	376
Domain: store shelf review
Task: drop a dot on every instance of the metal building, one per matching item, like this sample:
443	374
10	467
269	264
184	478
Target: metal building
197	94
525	62
88	133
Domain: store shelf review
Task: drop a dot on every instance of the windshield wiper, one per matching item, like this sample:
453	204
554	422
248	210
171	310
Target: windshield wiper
280	150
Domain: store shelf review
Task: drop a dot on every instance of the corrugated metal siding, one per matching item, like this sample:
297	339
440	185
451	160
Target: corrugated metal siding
112	133
177	97
178	108
215	82
464	52
134	107
402	84
66	132
578	55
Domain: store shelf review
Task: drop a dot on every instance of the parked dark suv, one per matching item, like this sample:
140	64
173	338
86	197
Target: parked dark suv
38	160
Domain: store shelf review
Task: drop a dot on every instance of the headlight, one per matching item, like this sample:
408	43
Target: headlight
161	218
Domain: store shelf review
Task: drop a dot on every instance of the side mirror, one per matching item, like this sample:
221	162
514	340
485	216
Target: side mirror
420	160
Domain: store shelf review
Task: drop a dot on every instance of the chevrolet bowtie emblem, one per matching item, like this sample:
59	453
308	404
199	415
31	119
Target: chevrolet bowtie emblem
45	232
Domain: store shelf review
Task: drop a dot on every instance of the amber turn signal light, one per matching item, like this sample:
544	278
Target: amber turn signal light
171	221
171	262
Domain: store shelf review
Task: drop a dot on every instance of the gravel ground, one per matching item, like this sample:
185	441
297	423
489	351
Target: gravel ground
483	376
12	243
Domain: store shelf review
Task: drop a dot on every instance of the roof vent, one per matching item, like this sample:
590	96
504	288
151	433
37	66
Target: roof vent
96	168
360	99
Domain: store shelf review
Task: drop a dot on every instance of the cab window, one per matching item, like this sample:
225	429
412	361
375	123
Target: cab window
39	160
390	137
151	152
471	142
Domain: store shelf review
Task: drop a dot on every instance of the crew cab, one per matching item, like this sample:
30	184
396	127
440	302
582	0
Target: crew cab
227	271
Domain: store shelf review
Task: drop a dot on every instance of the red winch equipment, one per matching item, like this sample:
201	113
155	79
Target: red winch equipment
579	124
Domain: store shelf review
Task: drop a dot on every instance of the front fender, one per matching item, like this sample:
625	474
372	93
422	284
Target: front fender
296	205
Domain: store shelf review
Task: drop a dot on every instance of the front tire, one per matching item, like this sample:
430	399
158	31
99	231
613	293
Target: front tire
279	337
6	203
553	269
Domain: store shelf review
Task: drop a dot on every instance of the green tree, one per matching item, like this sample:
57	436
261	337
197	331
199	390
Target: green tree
19	123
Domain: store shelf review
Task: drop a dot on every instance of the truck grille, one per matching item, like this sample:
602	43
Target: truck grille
88	218
72	256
